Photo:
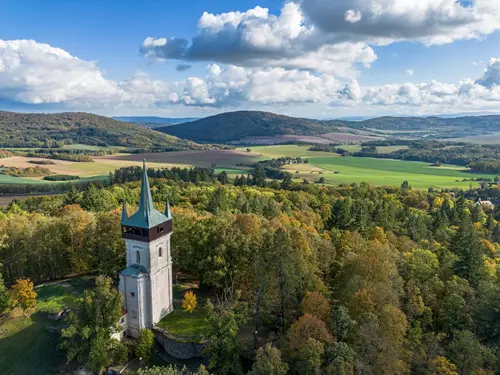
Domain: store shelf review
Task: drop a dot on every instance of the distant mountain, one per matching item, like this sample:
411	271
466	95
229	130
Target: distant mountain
54	130
154	122
233	126
473	124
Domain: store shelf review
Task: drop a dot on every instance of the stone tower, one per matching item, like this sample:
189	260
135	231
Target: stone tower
146	283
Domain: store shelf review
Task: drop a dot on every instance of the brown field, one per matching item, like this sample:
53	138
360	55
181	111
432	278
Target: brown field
196	158
322	139
60	166
103	165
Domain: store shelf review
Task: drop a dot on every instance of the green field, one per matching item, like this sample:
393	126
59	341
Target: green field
26	346
290	150
392	172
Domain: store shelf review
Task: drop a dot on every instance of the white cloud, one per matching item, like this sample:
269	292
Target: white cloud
304	32
36	73
256	38
491	77
387	21
410	72
353	16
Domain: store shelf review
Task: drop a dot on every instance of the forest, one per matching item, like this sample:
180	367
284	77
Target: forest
351	279
56	130
477	157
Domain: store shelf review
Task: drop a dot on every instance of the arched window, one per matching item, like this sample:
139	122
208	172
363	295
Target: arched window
138	257
160	252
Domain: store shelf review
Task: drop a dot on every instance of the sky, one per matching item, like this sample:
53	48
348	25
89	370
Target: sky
308	58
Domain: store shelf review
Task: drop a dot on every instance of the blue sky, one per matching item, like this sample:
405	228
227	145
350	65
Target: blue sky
305	57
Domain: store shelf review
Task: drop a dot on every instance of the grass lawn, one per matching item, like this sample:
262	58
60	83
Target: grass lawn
180	322
26	347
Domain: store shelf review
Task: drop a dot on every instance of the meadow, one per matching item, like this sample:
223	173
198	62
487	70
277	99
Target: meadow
27	346
384	172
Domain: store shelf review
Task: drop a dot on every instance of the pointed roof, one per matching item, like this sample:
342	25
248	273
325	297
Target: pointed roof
146	216
167	208
124	212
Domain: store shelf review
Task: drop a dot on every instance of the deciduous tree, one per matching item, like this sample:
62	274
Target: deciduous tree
88	337
23	295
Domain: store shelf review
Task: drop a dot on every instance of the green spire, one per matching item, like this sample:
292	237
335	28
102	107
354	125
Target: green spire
146	216
124	212
146	201
167	209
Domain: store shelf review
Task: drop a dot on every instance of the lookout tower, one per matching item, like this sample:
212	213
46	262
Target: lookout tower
146	283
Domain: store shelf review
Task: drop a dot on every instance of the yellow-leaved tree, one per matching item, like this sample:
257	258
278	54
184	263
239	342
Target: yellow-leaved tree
23	295
189	301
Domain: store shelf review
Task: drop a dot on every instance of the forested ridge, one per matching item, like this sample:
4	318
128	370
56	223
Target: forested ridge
59	129
233	126
354	279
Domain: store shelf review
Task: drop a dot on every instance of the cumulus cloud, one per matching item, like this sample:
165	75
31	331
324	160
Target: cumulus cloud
37	73
410	72
303	33
387	21
491	77
257	38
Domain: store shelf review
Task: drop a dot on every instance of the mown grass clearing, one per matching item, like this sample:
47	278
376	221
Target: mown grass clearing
185	323
26	346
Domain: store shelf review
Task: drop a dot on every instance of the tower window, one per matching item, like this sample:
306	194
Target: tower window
134	314
160	252
132	294
159	229
138	257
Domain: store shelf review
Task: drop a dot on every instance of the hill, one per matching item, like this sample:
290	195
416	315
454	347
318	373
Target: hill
55	130
233	126
473	124
153	121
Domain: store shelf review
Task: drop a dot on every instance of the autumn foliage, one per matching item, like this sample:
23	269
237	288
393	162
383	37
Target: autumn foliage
316	304
308	326
189	301
23	295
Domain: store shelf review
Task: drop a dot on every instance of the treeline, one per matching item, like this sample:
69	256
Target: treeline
432	151
196	174
330	148
61	177
485	165
25	172
49	188
348	280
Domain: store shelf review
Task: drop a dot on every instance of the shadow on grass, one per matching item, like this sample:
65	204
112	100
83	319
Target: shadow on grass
31	349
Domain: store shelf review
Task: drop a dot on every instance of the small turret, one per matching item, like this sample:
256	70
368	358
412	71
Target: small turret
124	213
167	208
